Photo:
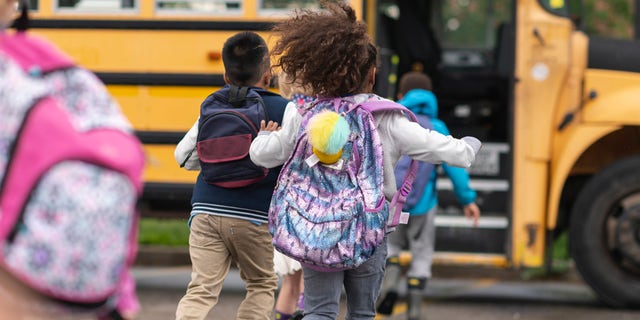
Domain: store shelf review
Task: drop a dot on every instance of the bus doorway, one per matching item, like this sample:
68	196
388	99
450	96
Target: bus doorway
466	47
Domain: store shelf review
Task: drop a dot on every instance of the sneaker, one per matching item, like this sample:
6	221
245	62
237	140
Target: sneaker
298	315
388	292
414	299
385	306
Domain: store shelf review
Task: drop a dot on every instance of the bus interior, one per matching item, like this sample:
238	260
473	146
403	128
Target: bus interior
466	47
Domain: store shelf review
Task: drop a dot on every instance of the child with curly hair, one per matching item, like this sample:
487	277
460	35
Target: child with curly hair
331	52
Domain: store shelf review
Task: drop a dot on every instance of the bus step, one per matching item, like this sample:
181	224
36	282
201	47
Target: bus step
462	258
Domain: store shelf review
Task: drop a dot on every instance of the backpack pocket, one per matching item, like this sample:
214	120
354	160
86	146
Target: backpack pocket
223	146
224	149
71	240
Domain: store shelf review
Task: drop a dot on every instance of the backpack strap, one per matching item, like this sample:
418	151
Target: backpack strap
237	95
400	198
34	55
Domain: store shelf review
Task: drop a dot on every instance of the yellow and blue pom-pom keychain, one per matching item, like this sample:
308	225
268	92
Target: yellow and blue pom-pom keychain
328	132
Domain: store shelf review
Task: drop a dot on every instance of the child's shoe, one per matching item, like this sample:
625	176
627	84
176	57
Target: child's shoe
298	315
414	300
283	316
414	297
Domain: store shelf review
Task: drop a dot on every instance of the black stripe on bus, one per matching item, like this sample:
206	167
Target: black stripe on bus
150	24
614	54
160	137
166	200
162	79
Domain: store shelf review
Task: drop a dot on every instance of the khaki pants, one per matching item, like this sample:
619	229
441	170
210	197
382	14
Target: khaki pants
214	243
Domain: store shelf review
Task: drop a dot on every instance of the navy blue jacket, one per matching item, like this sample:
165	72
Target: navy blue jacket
250	202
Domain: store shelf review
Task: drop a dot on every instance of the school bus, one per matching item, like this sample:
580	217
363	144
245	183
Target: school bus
556	109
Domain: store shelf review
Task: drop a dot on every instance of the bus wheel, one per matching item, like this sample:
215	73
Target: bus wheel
605	233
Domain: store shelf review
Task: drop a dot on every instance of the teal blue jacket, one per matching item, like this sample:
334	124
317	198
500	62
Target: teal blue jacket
425	102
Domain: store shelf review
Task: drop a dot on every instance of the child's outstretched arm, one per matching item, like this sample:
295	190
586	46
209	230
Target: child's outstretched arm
427	145
273	145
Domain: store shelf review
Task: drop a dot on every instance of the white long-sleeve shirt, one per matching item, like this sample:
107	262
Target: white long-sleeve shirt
186	148
398	134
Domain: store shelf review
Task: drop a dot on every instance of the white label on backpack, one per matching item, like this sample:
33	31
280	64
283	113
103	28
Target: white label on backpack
404	217
312	160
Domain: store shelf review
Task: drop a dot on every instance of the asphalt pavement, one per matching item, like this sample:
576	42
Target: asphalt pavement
160	289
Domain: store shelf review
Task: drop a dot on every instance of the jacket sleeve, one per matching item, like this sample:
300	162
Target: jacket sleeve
460	179
187	148
409	138
271	149
459	176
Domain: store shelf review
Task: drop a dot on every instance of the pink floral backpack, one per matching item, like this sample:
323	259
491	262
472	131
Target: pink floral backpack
70	176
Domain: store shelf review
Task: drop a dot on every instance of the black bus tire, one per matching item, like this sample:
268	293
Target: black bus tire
616	284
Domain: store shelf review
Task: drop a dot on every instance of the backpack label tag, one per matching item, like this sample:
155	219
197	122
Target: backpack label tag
312	160
404	217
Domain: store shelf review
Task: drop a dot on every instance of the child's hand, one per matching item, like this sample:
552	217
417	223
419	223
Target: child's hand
472	211
271	126
473	142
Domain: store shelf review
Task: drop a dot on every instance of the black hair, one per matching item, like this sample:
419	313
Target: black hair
22	22
246	58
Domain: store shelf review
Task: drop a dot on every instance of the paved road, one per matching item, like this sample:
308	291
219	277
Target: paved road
490	296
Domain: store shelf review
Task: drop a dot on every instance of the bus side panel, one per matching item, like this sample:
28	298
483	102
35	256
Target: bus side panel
109	50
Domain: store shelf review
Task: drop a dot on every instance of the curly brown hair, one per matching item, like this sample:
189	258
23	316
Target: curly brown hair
329	50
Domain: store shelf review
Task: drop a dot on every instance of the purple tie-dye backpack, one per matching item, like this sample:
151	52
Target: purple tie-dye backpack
70	177
333	217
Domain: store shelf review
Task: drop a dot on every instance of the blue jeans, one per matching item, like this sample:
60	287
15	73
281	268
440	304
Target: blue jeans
322	290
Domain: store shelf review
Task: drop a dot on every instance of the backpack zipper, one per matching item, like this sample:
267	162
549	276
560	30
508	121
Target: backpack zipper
224	100
235	114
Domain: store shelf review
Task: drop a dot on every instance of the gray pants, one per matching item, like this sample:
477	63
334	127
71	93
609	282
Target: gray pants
322	290
419	237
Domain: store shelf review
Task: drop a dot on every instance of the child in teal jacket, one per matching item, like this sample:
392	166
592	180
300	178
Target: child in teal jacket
419	234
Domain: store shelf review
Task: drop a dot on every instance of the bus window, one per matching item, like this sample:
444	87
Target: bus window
611	19
462	26
218	7
283	7
93	6
289	4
